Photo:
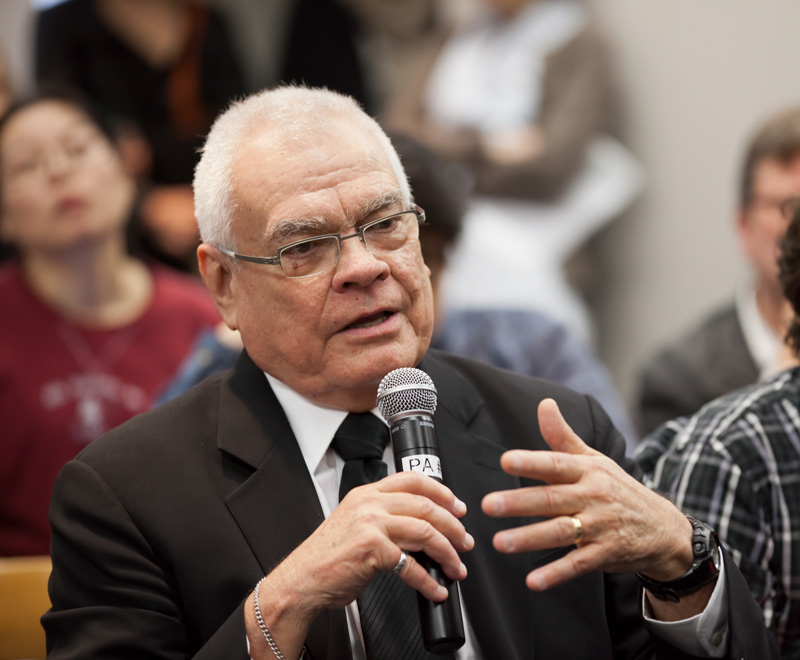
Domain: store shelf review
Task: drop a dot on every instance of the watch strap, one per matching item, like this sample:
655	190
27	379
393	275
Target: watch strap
704	568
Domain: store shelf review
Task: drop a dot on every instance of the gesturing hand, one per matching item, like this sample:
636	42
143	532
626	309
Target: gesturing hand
626	527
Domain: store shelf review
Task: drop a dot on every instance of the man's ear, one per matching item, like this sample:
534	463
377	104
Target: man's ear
217	272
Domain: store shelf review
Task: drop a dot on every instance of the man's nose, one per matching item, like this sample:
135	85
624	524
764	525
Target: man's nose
357	265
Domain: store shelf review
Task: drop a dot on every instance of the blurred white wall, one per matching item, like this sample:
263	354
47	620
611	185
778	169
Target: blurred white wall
696	79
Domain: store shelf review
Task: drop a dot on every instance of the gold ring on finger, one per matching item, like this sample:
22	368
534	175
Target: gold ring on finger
576	522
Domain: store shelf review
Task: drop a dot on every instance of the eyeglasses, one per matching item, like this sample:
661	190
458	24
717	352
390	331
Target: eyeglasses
320	254
69	152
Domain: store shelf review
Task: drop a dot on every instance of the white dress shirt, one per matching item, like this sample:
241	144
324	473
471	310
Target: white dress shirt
314	428
764	344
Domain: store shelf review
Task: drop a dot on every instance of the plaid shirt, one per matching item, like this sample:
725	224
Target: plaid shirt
736	465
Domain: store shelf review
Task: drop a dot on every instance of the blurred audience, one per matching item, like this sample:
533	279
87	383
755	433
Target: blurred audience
165	69
523	341
90	334
742	342
735	465
522	94
368	45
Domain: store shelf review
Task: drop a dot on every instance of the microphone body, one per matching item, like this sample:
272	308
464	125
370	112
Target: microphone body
413	439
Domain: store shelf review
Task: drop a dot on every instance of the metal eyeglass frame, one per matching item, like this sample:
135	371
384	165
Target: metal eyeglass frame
276	260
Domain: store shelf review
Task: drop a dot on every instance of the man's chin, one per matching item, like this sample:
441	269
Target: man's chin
365	374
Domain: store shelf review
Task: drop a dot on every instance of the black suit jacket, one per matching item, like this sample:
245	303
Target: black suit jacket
701	366
163	526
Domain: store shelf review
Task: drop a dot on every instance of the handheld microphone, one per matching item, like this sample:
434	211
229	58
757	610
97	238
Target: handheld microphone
407	401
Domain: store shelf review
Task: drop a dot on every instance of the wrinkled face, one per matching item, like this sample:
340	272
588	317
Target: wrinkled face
332	336
761	224
61	182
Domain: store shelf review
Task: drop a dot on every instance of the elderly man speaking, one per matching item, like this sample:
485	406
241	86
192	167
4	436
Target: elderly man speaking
224	524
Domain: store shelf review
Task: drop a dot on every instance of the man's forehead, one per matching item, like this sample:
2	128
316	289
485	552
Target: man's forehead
329	133
772	172
286	186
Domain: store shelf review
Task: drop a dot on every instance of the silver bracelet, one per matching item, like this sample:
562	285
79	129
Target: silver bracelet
265	631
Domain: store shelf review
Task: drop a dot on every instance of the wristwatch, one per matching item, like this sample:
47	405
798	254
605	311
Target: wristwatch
704	569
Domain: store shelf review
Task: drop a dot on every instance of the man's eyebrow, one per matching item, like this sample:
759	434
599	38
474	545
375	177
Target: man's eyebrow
388	198
286	227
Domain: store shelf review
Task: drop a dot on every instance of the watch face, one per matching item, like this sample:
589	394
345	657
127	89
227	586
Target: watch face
704	569
716	555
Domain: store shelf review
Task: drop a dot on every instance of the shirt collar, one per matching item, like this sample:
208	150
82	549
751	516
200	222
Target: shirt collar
313	425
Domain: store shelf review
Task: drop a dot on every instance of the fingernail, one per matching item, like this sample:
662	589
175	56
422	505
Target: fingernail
505	542
462	571
460	507
441	592
493	504
469	541
516	461
536	582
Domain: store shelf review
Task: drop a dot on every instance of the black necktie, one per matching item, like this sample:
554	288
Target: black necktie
388	607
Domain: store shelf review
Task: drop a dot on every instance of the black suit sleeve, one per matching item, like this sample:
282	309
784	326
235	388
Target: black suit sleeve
110	596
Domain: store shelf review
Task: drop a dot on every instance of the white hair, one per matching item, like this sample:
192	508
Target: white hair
298	114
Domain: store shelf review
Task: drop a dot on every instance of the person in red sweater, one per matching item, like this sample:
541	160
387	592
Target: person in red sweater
89	334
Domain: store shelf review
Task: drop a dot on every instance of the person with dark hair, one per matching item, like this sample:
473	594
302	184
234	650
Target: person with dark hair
89	334
257	515
735	464
742	342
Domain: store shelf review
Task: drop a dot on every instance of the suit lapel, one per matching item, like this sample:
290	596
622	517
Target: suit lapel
497	601
277	506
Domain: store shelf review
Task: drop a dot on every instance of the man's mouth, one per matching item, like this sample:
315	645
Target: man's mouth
369	321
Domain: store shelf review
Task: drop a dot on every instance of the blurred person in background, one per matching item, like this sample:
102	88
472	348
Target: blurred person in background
521	340
90	334
523	95
742	342
524	341
331	27
735	465
164	69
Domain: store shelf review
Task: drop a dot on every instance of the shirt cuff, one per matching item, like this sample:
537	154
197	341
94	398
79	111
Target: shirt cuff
705	634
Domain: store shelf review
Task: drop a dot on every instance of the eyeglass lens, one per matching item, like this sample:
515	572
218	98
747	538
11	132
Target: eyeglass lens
70	151
318	255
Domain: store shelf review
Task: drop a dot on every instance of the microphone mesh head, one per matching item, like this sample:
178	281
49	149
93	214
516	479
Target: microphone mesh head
406	390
